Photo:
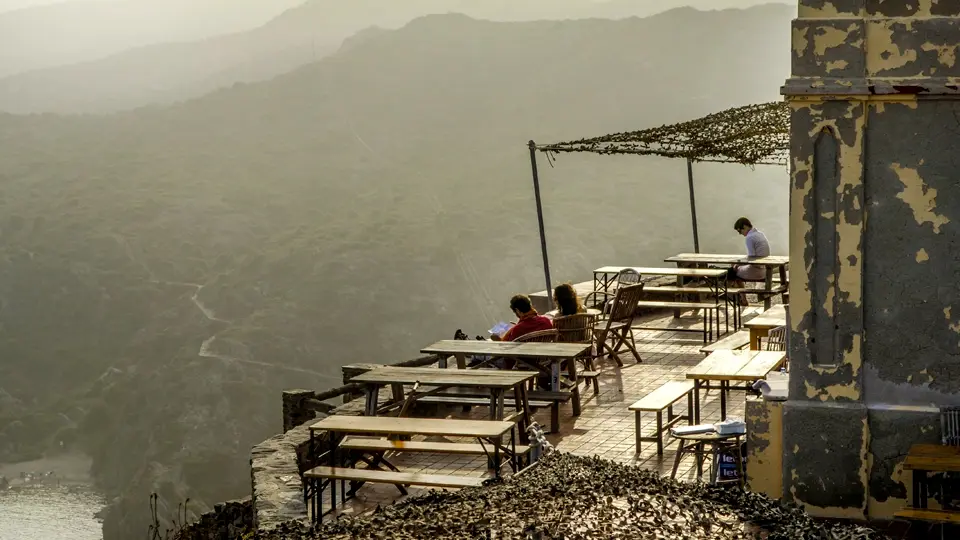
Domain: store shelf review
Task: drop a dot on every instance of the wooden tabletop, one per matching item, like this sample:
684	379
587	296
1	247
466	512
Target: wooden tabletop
679	272
507	348
717	258
382	425
771	318
933	457
727	365
472	378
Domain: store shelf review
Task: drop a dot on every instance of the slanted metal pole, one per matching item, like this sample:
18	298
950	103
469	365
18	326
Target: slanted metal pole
693	207
543	237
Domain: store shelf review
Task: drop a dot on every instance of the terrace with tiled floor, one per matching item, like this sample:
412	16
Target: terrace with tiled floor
605	427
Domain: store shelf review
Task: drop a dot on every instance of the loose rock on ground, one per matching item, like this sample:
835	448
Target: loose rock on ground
572	497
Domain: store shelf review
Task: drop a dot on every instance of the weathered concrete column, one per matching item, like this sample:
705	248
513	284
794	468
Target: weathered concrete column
875	203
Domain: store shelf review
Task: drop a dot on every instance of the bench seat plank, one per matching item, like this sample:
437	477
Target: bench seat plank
384	445
663	397
677	305
736	341
396	478
928	514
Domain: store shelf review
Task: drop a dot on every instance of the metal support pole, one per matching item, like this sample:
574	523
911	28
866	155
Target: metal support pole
543	237
693	207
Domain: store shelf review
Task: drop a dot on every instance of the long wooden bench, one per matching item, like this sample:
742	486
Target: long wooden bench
711	311
928	514
658	400
733	342
386	445
393	477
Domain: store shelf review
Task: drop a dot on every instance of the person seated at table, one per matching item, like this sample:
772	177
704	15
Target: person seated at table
528	320
567	301
757	246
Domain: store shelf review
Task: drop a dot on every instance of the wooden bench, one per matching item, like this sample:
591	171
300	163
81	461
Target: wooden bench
393	477
733	342
709	309
928	514
368	444
658	400
590	377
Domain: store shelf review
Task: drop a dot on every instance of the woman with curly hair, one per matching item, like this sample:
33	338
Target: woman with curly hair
565	297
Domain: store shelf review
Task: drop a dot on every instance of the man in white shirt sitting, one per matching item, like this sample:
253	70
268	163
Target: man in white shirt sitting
757	246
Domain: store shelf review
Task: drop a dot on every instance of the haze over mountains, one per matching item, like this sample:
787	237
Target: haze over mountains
120	69
169	270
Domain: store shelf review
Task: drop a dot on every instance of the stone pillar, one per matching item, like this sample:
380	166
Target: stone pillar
874	348
294	413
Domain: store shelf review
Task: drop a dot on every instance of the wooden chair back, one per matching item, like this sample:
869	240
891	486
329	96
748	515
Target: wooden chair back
627	277
543	336
624	304
777	339
574	328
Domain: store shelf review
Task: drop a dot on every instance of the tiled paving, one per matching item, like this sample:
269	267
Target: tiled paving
605	427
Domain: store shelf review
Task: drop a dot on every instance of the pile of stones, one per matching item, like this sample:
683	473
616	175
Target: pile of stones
571	497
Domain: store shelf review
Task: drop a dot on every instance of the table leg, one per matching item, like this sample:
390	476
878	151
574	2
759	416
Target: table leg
555	376
461	361
524	436
696	402
724	388
768	285
371	392
754	339
919	489
572	372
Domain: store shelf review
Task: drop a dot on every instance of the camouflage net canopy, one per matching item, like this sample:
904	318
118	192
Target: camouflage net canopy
751	135
577	498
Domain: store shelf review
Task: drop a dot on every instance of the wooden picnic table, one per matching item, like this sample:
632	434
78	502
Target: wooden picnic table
554	353
926	458
337	426
761	325
497	382
728	366
714	277
686	260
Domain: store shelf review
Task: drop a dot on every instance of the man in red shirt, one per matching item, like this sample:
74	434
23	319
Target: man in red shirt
529	320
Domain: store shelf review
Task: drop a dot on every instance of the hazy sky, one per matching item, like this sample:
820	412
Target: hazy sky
6	5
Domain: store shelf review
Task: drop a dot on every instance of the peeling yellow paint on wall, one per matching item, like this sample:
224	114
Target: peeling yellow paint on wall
828	37
836	65
836	511
881	52
922	256
827	11
886	509
921	199
946	54
800	42
953	326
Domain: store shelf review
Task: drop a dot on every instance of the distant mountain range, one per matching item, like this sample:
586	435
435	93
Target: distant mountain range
60	34
170	72
167	271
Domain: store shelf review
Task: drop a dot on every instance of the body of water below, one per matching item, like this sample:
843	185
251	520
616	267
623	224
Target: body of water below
50	513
